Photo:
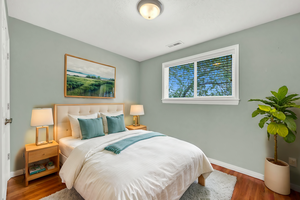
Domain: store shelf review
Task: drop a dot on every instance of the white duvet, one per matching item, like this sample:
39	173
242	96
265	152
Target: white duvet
159	168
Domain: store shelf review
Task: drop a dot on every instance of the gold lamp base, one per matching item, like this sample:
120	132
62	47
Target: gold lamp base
136	120
37	143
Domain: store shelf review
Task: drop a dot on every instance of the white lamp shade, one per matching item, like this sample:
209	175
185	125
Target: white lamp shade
137	110
41	117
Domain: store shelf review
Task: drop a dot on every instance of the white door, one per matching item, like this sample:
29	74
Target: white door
4	102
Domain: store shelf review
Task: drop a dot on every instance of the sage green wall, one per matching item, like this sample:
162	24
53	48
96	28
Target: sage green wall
37	78
269	58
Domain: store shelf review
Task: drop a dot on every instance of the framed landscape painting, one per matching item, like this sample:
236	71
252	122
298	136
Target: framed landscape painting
88	79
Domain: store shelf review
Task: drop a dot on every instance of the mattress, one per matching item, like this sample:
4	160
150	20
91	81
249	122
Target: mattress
67	144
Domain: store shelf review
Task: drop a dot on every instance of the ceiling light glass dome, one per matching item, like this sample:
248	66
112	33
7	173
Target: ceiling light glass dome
150	9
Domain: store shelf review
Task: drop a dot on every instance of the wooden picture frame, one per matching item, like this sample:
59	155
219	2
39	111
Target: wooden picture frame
37	143
88	79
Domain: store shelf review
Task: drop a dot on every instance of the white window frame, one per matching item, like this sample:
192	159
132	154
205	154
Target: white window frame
215	100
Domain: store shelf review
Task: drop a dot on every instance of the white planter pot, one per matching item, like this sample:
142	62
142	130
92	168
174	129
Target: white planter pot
277	178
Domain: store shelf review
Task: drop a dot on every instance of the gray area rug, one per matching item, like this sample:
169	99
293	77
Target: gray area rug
218	186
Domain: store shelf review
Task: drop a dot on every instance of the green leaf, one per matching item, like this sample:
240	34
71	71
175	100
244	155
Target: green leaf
261	111
275	94
273	110
272	98
263	121
272	128
288	98
264	101
282	130
295	99
290	122
290	105
255	100
268	135
290	137
294	105
264	108
255	113
293	115
282	92
279	115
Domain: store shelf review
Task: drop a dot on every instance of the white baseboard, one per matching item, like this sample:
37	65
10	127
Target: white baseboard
247	172
17	173
237	169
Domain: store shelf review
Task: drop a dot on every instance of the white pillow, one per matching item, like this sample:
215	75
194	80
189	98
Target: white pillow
103	115
76	132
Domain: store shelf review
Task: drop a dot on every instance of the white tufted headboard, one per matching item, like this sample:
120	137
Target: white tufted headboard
62	126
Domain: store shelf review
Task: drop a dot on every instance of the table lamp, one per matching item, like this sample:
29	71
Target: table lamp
136	110
41	118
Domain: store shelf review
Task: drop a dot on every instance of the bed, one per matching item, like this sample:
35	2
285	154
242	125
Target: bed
159	168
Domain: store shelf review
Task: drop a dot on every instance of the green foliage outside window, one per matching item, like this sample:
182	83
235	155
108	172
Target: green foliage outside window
181	81
214	78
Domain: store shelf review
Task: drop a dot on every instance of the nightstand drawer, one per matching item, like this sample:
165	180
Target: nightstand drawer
42	154
143	129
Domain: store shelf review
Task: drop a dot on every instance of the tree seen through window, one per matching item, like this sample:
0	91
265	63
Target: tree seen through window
181	81
214	78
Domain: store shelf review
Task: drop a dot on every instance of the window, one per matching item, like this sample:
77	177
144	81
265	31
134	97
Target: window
207	78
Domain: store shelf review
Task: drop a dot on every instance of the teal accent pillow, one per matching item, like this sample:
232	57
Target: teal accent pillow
91	128
115	124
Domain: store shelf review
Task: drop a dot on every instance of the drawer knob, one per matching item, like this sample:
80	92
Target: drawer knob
43	154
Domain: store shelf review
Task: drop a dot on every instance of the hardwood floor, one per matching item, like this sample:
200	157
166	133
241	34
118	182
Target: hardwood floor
36	189
250	188
246	188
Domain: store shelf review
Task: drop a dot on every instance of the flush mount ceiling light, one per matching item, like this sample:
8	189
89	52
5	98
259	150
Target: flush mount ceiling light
150	9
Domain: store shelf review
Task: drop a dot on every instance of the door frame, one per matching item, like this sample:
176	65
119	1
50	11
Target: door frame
4	101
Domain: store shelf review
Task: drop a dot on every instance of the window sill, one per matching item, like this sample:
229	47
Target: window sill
223	101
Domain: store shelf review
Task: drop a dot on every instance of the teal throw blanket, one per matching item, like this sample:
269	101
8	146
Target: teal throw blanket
123	144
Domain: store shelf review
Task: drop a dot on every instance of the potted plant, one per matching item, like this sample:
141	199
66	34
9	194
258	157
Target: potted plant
281	122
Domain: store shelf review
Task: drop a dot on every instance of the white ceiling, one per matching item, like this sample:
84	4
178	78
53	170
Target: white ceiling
115	25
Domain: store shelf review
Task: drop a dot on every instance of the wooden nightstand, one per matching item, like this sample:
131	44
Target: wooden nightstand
35	153
140	127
